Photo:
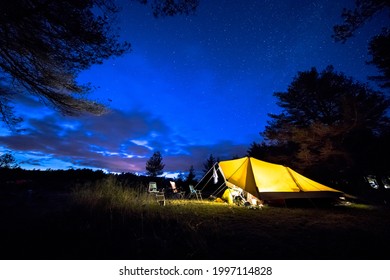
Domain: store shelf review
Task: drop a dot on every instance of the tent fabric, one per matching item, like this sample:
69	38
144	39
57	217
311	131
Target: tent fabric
271	181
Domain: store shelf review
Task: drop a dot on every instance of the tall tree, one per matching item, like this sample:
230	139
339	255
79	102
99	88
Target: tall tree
327	118
190	179
154	166
209	163
45	44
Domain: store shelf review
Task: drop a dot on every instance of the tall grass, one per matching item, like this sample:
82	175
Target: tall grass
130	213
110	193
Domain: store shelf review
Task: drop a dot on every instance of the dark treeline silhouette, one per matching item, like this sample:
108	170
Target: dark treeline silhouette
21	180
331	128
50	180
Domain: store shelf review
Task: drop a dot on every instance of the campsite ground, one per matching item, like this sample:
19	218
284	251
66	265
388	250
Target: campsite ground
125	225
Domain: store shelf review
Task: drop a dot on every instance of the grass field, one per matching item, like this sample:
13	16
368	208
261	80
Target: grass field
109	221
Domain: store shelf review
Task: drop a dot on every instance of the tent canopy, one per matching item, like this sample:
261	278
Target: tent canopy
272	181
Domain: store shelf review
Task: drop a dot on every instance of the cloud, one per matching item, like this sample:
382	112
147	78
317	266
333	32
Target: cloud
118	141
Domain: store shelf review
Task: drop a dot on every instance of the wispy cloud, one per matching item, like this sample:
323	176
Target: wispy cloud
118	142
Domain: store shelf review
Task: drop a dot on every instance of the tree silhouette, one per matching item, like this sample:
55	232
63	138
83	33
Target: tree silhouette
190	179
209	163
7	160
276	152
327	119
379	48
353	19
379	45
154	166
45	44
6	110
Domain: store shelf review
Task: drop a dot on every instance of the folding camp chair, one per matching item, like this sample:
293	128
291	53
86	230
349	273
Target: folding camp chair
195	192
160	196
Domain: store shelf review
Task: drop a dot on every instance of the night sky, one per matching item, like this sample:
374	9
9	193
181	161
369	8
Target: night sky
192	86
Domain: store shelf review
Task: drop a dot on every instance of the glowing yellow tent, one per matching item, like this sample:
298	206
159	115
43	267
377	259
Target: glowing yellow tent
269	181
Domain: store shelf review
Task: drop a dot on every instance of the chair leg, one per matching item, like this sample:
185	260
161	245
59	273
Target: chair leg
160	198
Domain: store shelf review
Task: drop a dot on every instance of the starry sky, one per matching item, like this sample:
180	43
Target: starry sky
191	86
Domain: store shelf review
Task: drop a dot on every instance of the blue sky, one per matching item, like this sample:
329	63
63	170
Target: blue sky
191	86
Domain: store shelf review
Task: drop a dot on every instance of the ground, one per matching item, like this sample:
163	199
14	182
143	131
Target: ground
49	225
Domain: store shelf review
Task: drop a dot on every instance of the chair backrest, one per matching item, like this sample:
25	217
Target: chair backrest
173	186
192	189
152	187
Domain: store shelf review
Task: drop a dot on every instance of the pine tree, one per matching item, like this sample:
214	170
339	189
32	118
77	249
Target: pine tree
209	163
190	179
154	166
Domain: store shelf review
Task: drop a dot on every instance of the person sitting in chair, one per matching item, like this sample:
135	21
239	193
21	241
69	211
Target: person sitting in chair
175	190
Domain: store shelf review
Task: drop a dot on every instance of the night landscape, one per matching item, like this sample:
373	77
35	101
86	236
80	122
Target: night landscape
263	125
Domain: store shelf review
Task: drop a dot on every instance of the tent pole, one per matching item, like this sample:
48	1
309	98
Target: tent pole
205	176
206	183
218	189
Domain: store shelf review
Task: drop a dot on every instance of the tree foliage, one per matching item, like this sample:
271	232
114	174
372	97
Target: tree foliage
154	166
379	45
209	163
190	179
353	19
6	110
278	153
326	119
379	48
172	7
8	161
45	44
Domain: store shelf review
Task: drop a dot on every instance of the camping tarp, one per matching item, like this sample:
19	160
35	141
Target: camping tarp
272	181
